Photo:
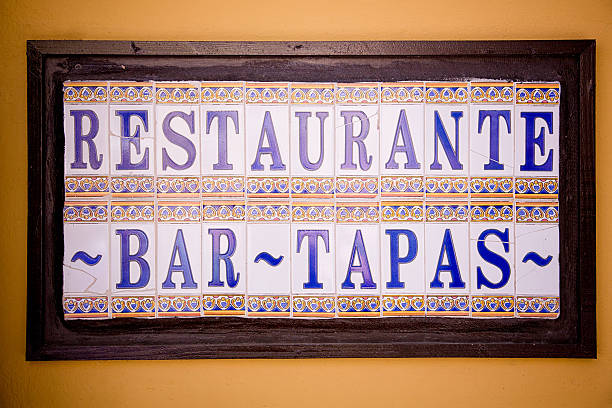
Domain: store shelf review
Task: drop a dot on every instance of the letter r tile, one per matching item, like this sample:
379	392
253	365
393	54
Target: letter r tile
86	139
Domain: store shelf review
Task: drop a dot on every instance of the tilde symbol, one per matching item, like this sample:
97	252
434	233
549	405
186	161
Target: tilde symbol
86	258
269	259
537	259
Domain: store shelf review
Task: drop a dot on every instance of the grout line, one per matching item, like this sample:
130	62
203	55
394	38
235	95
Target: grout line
109	291
290	224
242	121
425	224
153	129
378	196
469	192
514	171
336	174
201	121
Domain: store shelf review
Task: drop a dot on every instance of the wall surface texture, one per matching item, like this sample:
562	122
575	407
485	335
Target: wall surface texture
283	383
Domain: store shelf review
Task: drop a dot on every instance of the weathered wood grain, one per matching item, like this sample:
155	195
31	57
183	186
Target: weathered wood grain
50	337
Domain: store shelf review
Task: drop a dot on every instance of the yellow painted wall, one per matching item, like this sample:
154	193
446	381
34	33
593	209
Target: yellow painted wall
261	383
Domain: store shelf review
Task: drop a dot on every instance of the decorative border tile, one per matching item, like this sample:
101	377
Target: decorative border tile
312	93
131	92
357	212
224	305
401	186
492	92
403	305
268	211
269	306
133	186
85	92
352	93
359	306
222	186
180	306
402	92
226	199
179	187
312	187
85	307
133	306
492	211
313	212
222	92
446	211
537	212
446	187
132	211
85	211
314	306
538	93
356	187
86	186
447	92
176	93
493	306
172	211
267	92
223	211
531	188
491	187
538	306
392	211
267	187
448	305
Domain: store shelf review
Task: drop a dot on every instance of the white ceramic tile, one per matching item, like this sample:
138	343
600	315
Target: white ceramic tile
537	259
132	262
86	139
86	258
226	130
491	140
446	152
537	140
267	140
492	258
313	258
402	146
358	259
447	259
268	259
223	139
404	243
224	250
132	140
312	140
177	134
357	140
179	260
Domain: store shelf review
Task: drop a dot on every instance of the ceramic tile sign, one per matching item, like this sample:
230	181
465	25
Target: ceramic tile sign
311	200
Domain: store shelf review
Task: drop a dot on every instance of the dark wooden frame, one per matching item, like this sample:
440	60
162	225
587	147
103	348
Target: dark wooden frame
50	337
